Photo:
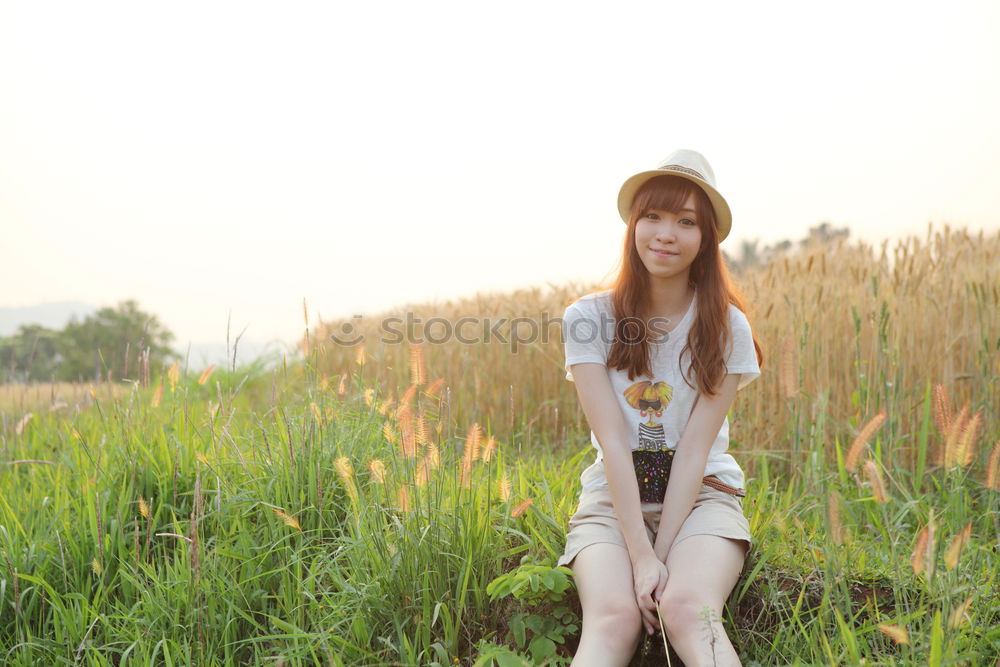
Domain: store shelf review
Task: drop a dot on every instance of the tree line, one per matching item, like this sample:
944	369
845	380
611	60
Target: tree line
112	344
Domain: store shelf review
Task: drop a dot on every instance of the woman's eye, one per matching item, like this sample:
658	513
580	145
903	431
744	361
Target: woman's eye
689	221
651	216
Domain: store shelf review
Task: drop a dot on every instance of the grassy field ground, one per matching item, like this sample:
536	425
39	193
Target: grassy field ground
375	504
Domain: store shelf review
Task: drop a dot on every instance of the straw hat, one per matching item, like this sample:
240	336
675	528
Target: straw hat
688	164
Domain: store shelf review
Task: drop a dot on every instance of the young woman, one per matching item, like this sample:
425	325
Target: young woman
657	360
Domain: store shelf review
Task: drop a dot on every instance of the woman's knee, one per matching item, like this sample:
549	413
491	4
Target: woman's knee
685	610
617	621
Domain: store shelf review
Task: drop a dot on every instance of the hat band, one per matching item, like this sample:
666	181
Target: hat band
685	170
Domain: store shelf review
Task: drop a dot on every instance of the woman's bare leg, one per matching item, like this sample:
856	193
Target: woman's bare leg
703	569
611	620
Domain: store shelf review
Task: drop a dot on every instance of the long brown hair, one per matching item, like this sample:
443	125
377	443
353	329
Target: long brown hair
710	333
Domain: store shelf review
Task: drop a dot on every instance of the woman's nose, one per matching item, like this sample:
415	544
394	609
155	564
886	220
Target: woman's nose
665	230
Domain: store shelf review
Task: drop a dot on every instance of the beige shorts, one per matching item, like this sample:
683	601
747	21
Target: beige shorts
714	513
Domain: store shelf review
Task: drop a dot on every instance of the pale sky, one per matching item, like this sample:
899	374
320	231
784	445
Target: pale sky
215	157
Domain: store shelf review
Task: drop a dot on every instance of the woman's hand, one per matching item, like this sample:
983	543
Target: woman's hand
649	575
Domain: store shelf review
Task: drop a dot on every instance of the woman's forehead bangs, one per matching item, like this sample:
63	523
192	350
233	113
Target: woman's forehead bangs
665	193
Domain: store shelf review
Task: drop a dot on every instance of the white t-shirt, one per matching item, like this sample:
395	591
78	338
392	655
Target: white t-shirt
657	408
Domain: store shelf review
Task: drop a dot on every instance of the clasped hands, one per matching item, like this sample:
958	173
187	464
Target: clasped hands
649	576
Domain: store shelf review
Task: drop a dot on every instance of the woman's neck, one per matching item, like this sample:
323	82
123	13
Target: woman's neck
670	301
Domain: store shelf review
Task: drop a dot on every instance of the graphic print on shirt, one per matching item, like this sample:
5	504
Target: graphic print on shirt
650	398
653	458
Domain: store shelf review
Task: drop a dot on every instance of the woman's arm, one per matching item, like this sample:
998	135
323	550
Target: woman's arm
688	467
604	415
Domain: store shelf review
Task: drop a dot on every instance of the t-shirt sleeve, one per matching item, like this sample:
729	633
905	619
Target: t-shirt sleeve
742	357
582	340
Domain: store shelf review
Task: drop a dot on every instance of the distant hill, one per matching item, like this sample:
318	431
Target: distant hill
53	315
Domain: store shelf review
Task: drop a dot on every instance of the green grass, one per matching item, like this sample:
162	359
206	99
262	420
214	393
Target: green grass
215	576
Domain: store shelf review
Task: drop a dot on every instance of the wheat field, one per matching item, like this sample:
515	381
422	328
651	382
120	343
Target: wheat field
403	503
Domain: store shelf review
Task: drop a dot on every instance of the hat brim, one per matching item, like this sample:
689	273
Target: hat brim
723	216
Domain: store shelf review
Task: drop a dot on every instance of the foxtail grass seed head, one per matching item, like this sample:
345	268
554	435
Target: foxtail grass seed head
317	414
434	388
922	559
174	375
389	433
966	450
992	480
472	440
521	508
22	423
305	312
361	356
866	432
344	468
202	458
487	452
408	438
377	469
897	633
958	542
342	386
346	473
369	397
304	345
205	374
956	431
143	508
96	566
404	413
157	395
875	479
408	396
417	369
93	394
420	429
76	434
504	488
287	519
942	409
213	408
959	615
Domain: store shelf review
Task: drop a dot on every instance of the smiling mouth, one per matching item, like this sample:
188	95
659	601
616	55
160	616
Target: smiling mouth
664	253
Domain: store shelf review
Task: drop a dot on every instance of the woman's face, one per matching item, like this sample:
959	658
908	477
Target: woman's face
668	242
